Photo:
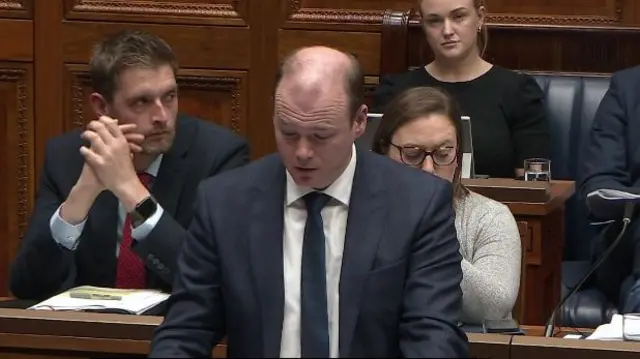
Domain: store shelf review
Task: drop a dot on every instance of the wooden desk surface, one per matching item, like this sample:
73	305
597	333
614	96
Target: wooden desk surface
559	332
489	346
76	332
86	333
560	192
43	334
500	189
523	347
535	345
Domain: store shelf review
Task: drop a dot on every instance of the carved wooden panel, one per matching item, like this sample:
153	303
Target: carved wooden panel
565	12
17	40
340	14
214	95
209	12
365	46
16	160
219	96
522	47
17	9
195	46
337	13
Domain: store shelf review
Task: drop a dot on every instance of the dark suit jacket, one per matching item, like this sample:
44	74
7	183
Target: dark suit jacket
400	282
611	159
612	156
43	268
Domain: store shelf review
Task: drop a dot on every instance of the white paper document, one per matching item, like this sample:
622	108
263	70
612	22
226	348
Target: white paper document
613	330
133	301
610	331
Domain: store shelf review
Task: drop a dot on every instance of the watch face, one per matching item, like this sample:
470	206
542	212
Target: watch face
146	208
143	211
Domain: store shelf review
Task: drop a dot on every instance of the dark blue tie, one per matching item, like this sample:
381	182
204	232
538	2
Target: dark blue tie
315	320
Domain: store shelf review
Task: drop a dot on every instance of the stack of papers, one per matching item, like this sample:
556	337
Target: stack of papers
87	298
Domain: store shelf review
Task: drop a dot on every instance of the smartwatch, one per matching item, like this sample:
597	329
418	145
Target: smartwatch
143	211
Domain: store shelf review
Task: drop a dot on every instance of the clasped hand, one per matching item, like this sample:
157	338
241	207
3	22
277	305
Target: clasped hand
109	155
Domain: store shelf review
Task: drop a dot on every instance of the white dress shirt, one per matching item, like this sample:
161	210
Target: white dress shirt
68	235
334	218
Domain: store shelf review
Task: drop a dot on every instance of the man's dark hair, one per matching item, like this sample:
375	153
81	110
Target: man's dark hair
123	50
354	79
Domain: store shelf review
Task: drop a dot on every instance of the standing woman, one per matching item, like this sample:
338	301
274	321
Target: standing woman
506	108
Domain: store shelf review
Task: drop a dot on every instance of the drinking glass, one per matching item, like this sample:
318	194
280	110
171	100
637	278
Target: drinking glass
537	169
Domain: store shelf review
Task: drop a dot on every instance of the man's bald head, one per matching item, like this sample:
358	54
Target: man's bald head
319	112
317	70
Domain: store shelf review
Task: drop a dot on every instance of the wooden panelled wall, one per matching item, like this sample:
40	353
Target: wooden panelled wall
229	50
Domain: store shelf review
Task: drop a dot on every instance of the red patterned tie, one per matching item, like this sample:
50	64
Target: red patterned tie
131	272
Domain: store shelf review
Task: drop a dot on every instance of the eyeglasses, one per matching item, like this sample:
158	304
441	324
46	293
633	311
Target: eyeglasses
415	156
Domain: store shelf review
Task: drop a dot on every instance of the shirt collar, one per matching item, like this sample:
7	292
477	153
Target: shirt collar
154	167
340	189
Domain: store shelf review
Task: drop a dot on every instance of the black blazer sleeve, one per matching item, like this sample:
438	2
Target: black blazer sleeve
605	163
42	267
163	244
195	322
528	121
433	298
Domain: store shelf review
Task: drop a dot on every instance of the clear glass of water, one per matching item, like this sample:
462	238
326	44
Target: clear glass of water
631	327
537	169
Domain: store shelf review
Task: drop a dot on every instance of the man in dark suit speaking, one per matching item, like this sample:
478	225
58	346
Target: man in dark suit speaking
106	217
321	250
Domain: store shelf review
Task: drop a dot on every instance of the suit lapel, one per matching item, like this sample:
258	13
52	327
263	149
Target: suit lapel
364	230
167	187
169	183
266	252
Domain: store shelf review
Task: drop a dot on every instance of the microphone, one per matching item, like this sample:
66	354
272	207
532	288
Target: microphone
626	219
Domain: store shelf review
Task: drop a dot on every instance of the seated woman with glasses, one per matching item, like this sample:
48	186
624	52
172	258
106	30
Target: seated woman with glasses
421	127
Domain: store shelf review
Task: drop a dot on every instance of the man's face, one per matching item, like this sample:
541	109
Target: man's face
148	97
315	132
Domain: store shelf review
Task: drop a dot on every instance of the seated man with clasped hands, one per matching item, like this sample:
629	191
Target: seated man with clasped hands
114	198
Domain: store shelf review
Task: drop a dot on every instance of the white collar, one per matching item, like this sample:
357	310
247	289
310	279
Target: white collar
340	189
154	167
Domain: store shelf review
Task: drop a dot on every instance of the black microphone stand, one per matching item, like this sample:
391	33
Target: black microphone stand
628	211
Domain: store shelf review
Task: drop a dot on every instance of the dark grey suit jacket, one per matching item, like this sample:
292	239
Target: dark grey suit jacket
400	282
43	268
611	160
